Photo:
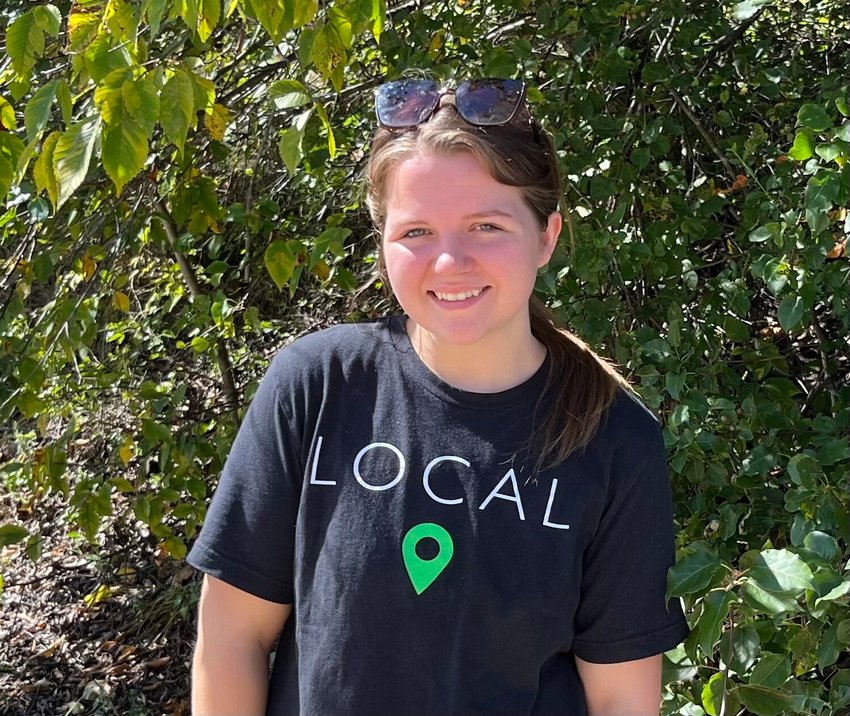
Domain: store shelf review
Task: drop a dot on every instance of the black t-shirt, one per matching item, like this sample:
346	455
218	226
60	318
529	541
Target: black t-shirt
431	572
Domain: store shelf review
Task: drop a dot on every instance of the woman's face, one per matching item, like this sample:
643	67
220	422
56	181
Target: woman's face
462	250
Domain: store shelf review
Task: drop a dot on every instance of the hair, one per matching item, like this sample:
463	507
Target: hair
520	154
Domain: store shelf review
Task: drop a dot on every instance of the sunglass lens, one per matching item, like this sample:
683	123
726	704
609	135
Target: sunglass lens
489	101
406	103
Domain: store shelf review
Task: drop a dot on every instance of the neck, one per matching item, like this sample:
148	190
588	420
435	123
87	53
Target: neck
487	366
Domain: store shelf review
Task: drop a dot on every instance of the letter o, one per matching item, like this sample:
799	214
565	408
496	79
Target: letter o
394	481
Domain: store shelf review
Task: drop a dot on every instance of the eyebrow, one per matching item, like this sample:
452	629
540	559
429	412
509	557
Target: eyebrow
475	215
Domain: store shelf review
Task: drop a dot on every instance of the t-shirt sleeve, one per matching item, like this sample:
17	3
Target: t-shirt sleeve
623	614
248	536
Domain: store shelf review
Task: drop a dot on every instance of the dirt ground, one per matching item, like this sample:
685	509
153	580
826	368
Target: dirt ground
90	630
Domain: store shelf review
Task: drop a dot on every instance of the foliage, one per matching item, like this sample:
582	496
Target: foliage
179	174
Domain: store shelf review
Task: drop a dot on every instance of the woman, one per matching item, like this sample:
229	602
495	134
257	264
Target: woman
460	510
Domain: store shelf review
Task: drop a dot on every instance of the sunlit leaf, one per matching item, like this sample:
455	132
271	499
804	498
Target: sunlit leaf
24	43
72	157
43	172
177	108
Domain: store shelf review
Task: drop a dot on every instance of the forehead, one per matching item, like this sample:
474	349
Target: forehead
434	180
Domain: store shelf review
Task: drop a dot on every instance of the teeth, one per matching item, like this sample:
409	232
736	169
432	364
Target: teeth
457	296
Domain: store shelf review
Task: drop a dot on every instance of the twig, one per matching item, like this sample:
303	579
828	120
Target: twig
222	357
683	105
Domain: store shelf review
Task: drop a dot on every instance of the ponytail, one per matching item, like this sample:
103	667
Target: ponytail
580	387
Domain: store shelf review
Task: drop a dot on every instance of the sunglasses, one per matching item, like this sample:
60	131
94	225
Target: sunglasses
485	103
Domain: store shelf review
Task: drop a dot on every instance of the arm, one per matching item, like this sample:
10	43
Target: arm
236	632
627	688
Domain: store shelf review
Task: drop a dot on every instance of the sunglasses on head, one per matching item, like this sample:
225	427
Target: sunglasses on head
484	103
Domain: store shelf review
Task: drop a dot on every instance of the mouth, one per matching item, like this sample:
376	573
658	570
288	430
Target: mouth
451	297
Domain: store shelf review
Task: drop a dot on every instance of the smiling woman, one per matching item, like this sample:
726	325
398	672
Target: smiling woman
440	509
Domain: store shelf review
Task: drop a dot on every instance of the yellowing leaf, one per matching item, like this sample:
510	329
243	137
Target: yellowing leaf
7	115
7	172
88	267
305	11
121	301
280	262
103	591
127	451
209	13
83	23
43	173
327	51
121	20
216	121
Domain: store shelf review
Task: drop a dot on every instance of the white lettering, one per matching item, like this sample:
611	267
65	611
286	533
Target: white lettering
546	521
394	481
427	474
510	475
313	479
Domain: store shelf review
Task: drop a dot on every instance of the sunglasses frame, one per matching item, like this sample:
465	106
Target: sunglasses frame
440	92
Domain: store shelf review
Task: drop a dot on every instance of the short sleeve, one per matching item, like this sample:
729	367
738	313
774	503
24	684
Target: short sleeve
248	536
623	614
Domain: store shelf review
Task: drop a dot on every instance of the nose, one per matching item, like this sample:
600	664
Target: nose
452	255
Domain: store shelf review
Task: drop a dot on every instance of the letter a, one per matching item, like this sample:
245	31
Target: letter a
510	475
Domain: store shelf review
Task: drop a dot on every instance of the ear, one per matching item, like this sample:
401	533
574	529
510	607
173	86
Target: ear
549	238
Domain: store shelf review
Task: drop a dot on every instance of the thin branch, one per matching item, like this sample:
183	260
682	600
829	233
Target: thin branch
683	105
222	357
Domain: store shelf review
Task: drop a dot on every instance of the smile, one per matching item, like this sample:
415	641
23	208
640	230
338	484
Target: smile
457	296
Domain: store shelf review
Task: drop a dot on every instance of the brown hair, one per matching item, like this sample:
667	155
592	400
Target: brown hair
519	154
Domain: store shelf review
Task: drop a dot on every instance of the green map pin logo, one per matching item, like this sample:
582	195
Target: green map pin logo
423	572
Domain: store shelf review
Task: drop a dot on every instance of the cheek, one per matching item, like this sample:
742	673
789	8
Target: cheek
401	266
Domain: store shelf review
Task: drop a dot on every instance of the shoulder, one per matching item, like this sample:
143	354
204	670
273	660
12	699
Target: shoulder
630	429
339	348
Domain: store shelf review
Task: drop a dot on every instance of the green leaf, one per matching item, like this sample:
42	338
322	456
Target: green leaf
776	579
822	544
640	157
156	9
843	132
288	94
764	701
141	102
843	632
37	111
209	13
323	115
7	173
693	574
289	146
200	344
124	150
66	103
177	108
280	262
276	16
379	18
83	23
841	106
772	671
791	311
304	12
803	147
715	608
822	190
43	172
814	117
713	693
11	534
828	152
72	157
24	43
834	451
836	593
7	115
48	18
804	470
829	647
739	648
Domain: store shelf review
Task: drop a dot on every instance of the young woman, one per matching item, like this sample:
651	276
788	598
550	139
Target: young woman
458	510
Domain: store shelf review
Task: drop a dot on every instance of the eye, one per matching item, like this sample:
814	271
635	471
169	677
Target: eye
487	228
413	233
